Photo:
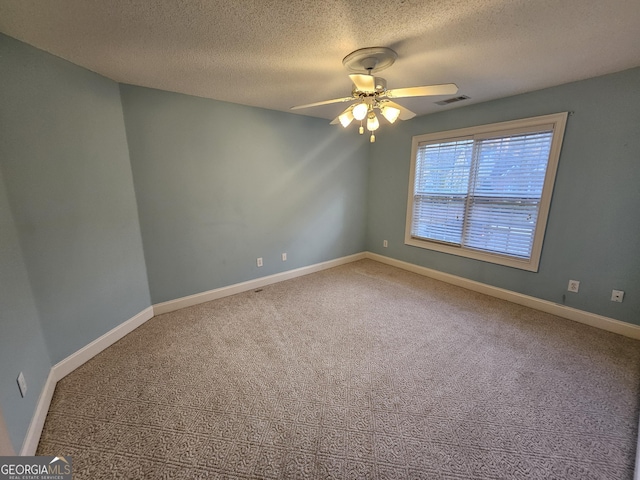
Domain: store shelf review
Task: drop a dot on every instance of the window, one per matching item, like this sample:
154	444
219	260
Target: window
484	192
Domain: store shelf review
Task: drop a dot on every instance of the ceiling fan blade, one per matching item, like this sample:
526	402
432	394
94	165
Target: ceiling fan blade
405	113
364	83
426	90
325	102
337	119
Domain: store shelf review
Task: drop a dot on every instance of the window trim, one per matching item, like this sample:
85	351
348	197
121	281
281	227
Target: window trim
558	121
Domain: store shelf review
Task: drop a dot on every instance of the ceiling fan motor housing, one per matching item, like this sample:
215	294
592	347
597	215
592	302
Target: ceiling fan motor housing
380	87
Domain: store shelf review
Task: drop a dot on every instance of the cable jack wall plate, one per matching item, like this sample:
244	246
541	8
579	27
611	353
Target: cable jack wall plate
617	295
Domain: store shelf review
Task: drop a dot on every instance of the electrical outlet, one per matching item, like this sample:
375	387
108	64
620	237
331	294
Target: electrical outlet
385	244
259	261
22	384
574	286
284	257
617	295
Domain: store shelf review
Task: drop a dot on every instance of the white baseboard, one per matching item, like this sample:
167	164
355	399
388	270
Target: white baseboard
189	301
68	365
592	319
32	438
86	353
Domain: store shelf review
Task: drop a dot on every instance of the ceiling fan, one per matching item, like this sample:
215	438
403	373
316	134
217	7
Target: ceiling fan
370	92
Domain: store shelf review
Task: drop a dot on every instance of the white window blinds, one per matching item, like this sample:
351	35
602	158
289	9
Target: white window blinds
441	190
482	191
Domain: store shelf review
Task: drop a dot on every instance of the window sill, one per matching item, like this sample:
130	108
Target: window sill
522	264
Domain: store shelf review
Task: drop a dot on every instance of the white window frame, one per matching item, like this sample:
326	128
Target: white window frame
558	122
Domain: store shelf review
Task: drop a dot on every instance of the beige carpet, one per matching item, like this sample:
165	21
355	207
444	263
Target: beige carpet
361	371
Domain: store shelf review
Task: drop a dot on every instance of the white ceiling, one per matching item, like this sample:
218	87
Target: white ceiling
275	54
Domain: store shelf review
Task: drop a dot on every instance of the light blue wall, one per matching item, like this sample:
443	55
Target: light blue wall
22	345
219	185
69	185
593	232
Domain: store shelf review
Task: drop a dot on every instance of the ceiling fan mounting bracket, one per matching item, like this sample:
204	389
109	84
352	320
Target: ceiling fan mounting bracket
369	60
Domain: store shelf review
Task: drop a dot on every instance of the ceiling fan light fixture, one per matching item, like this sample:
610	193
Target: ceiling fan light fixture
346	118
360	111
372	122
390	113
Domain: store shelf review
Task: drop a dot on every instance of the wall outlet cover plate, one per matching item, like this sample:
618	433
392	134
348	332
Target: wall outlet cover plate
574	286
22	384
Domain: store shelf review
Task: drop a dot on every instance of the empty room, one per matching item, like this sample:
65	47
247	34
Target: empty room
342	239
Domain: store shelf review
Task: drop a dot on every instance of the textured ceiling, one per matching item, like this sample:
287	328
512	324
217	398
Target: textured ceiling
275	54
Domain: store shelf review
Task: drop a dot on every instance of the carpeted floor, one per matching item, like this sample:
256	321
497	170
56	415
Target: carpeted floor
361	371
